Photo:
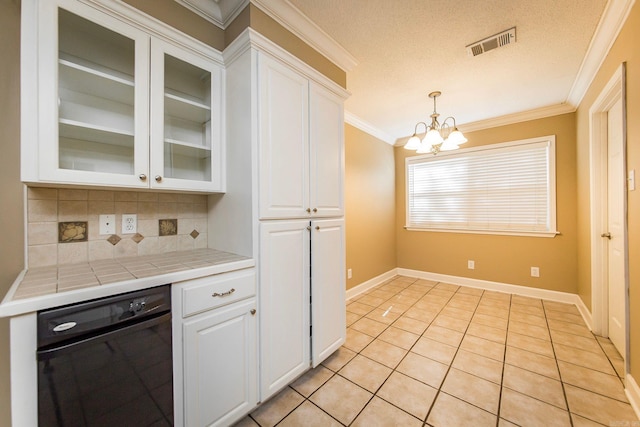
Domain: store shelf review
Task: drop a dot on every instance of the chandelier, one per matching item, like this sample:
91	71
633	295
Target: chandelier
438	137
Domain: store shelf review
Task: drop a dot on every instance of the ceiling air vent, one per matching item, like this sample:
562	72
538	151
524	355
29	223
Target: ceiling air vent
497	40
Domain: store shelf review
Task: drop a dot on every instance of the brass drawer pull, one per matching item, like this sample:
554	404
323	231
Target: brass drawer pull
224	294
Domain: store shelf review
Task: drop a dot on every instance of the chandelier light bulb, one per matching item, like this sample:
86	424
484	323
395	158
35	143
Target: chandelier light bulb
448	145
424	148
457	137
433	137
413	143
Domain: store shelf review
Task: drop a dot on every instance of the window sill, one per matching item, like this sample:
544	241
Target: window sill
488	232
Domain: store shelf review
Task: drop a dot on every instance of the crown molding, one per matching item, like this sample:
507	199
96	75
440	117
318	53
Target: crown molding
612	21
251	39
357	122
299	24
524	116
218	12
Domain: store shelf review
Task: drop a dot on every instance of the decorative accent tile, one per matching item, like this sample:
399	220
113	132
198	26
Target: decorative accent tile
114	239
168	227
184	229
69	232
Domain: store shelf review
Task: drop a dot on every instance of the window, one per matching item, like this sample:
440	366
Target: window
504	188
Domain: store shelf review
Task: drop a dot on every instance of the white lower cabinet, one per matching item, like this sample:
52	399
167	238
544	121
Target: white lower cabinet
215	350
302	294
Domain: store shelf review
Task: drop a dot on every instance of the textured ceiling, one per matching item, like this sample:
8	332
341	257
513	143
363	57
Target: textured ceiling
408	48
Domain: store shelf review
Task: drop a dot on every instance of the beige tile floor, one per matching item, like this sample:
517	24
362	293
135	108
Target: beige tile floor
434	354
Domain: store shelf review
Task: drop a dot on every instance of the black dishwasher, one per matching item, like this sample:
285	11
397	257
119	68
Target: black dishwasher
107	362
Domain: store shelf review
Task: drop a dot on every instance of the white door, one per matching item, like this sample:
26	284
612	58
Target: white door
284	303
326	145
328	321
615	220
284	141
220	379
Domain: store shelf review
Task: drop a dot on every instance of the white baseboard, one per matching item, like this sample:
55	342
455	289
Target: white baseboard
526	291
633	393
584	311
371	283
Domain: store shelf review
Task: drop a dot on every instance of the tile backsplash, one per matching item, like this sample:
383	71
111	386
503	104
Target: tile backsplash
48	208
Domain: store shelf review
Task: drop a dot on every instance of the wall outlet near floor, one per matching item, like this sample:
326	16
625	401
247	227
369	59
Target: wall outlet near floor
107	224
535	271
349	274
129	223
471	264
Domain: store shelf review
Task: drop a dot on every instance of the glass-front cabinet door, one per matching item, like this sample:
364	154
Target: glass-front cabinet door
105	102
93	104
186	131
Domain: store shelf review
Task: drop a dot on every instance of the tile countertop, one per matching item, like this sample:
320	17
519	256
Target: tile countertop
47	287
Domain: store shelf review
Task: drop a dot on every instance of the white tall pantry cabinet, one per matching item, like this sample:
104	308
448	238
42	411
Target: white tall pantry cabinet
285	163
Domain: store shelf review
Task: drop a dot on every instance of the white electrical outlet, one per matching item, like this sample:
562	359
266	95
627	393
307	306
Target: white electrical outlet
107	224
349	274
471	264
129	223
535	271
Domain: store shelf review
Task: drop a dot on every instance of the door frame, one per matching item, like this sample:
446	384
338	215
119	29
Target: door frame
612	92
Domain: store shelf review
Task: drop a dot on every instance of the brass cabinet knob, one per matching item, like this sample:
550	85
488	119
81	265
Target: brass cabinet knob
142	177
315	210
317	227
308	210
607	235
253	312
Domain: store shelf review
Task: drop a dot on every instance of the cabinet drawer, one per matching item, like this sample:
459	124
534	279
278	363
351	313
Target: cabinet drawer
215	291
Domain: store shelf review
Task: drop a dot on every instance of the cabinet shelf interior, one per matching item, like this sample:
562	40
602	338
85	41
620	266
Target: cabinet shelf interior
186	109
87	132
185	162
187	144
98	70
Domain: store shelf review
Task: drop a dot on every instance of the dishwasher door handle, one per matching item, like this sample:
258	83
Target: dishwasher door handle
65	348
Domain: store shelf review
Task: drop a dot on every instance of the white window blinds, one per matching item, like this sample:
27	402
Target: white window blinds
502	188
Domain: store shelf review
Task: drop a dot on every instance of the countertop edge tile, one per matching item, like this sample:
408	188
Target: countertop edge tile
14	307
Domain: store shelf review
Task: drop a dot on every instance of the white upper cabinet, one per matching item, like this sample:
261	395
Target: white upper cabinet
326	157
301	145
108	104
186	137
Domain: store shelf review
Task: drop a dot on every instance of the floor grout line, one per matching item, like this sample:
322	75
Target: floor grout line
442	306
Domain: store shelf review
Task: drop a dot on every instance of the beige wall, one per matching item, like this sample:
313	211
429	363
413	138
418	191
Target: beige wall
624	49
504	259
11	190
369	206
